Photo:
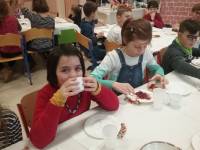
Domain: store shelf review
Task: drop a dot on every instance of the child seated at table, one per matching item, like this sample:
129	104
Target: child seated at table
39	18
87	29
10	128
153	16
180	53
62	98
196	16
8	24
75	15
125	66
114	34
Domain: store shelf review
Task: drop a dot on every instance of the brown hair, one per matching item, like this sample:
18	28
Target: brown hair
136	29
40	6
122	9
3	10
89	8
152	4
196	7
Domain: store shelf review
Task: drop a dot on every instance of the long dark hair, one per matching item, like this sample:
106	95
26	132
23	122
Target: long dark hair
53	59
3	10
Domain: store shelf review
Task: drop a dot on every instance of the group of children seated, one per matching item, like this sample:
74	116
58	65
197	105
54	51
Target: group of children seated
120	71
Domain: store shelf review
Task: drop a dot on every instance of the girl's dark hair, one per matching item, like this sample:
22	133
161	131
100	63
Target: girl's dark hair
40	6
136	29
152	4
196	8
189	25
89	8
77	11
54	57
3	10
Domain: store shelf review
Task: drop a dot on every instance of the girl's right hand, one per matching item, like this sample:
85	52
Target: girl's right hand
69	88
124	88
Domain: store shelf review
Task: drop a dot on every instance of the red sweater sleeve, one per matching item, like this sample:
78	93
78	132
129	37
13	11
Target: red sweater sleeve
107	99
158	21
45	119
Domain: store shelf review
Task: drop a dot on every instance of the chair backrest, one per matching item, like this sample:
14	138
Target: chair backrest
67	36
26	110
83	40
111	45
10	39
160	55
35	33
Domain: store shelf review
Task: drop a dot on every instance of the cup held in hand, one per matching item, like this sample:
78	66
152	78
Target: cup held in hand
80	83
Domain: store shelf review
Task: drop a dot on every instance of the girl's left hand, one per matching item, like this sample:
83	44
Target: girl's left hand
90	84
160	79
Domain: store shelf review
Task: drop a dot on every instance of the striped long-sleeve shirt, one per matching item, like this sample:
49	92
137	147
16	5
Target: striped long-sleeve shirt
10	129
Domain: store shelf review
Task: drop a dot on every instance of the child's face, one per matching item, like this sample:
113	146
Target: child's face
122	18
68	67
137	47
153	10
188	40
196	15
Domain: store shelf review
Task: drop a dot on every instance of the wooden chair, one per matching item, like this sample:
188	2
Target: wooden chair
159	55
111	45
11	39
37	33
26	110
86	43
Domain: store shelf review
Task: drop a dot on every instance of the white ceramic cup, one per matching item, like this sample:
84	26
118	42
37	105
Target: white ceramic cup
80	83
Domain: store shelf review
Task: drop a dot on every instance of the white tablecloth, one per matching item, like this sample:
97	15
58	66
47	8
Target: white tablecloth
144	124
108	16
166	36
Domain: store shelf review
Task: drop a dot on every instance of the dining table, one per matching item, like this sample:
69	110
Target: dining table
144	123
107	14
60	24
161	38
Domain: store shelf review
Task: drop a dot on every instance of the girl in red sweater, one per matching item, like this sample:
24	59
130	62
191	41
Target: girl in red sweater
8	24
153	16
61	99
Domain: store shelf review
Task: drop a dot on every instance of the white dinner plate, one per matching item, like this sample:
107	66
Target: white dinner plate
159	145
94	125
196	141
178	88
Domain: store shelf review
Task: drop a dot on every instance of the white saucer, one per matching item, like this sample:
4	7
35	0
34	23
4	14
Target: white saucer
94	125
